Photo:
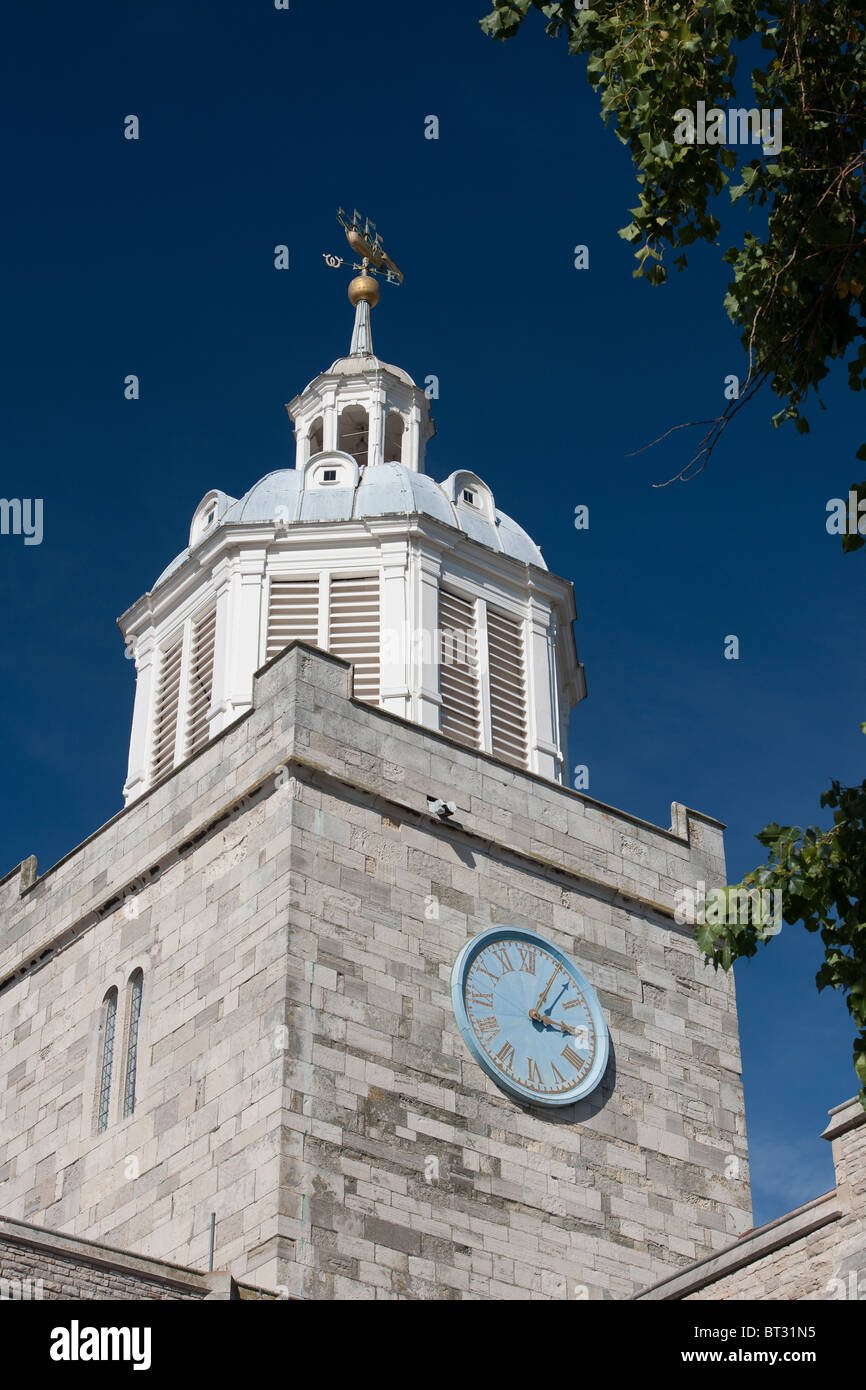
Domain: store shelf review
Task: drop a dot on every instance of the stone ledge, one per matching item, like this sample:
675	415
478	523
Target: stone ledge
218	1284
678	831
74	1248
843	1117
750	1248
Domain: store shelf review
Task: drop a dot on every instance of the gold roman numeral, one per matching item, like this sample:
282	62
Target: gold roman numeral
533	1074
481	1001
574	1003
558	1074
505	1055
487	1027
527	957
571	1056
503	957
485	971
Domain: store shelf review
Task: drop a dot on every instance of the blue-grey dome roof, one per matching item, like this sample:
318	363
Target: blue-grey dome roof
384	489
358	365
170	569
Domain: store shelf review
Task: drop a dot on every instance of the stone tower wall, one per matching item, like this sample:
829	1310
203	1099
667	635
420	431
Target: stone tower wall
296	912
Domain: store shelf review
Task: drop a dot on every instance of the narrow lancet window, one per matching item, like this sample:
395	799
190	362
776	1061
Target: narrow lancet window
135	989
109	1020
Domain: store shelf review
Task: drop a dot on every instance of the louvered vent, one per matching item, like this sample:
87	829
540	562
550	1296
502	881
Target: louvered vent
354	633
293	613
507	686
165	713
458	670
200	680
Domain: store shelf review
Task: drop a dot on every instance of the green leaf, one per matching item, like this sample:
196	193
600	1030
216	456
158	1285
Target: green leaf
630	233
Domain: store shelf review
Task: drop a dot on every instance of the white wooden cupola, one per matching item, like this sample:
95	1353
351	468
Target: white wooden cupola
442	604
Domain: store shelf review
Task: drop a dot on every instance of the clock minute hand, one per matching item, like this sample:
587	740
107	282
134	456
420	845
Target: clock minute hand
533	1013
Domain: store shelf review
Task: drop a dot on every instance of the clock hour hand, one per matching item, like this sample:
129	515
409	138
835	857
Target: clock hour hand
552	1022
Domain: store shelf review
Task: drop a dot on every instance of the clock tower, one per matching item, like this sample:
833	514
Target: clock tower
355	980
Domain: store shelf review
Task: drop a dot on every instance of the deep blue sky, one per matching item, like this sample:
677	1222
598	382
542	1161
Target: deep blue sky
156	257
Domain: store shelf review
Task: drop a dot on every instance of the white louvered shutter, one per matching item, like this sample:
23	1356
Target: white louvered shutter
293	614
165	711
507	669
200	680
354	630
458	670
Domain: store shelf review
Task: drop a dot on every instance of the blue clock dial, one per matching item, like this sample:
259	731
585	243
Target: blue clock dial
529	1017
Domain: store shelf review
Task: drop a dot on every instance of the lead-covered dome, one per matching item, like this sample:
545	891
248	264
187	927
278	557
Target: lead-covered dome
379	490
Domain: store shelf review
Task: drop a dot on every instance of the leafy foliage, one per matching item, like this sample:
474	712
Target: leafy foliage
797	295
797	291
822	878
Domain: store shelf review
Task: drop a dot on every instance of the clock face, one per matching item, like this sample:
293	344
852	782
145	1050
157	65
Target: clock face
529	1017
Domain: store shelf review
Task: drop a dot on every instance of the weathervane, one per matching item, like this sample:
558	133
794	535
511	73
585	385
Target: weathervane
365	241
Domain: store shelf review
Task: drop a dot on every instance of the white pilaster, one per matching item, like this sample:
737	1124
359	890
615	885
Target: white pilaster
393	628
139	753
244	624
413	449
376	430
323	639
219	713
329	418
426	650
545	756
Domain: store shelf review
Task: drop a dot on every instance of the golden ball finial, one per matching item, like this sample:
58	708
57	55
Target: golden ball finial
364	287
